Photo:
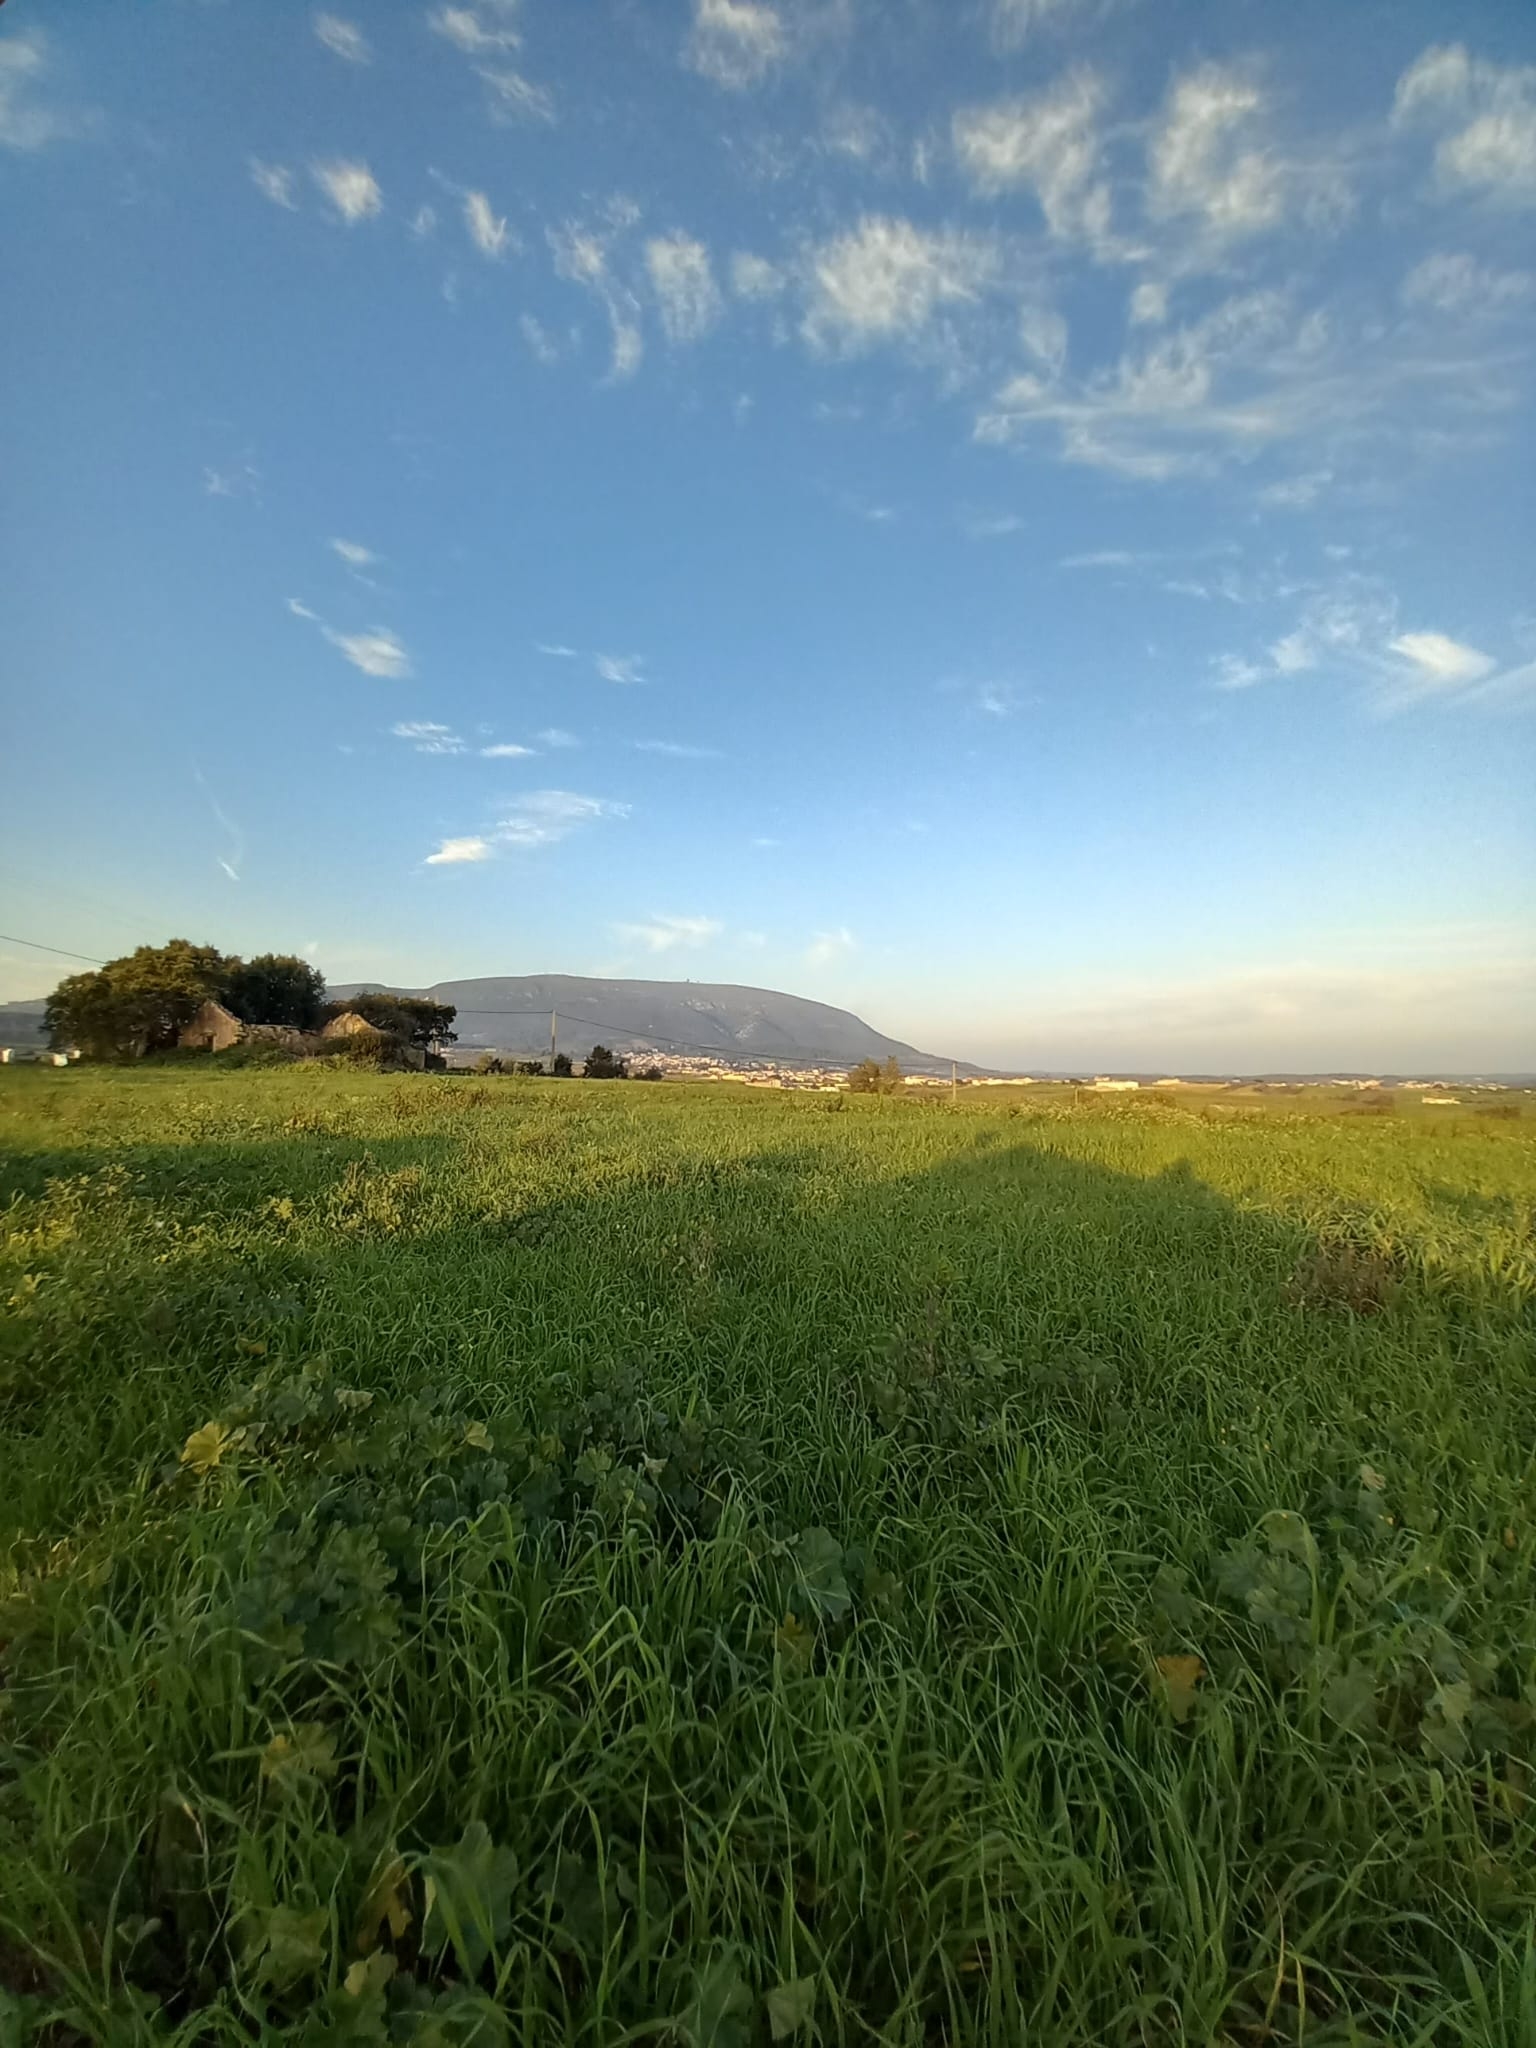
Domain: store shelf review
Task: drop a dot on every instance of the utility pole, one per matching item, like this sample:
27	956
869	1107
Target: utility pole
954	1082
552	1041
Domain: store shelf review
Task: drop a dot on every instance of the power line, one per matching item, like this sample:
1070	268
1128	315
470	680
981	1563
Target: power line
10	940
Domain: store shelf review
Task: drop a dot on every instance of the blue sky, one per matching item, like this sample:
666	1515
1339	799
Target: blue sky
1014	516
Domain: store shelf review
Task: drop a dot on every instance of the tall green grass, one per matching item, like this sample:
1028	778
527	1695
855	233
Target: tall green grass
533	1562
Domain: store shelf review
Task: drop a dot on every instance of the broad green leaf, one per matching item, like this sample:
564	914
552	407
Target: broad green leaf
306	1755
1454	1702
822	1579
469	1897
1349	1697
291	1945
371	1974
1371	1479
719	2016
1176	1679
882	1588
1289	1534
791	2006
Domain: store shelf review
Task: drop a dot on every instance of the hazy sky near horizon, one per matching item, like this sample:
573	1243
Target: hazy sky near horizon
1012	516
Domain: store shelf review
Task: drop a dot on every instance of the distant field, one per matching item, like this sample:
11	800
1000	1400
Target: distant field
528	1562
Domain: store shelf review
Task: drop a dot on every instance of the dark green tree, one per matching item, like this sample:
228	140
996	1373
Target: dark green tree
411	1020
871	1077
603	1065
537	1066
275	988
137	1004
561	1064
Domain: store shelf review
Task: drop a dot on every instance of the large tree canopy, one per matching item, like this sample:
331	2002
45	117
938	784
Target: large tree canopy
275	988
142	1002
137	1004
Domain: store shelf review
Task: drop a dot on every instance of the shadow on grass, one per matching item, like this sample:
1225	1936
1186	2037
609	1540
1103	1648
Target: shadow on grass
766	1281
966	1785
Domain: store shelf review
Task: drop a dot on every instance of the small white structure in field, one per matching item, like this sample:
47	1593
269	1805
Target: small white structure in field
1104	1082
1439	1101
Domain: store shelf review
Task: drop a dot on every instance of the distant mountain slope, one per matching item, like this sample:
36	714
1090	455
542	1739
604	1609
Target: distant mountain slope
510	1014
22	1023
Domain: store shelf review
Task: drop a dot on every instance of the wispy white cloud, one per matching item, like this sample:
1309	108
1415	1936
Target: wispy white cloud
481	30
1296	493
344	38
25	121
1043	337
754	277
1236	672
1483	116
583	253
678	750
1149	303
487	231
886	279
1293	654
427	738
620	668
1158	413
1258	371
541	818
684	284
506	750
274	182
1048	143
354	554
1442	662
735	42
1448	282
456	852
543	345
559	652
548	815
668	934
557	736
1013	22
828	947
1206	159
239	480
860	133
991	525
233	858
1513	689
376	653
301	610
516	98
1348	632
351	188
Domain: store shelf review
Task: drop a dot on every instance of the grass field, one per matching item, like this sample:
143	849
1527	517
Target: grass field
524	1562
